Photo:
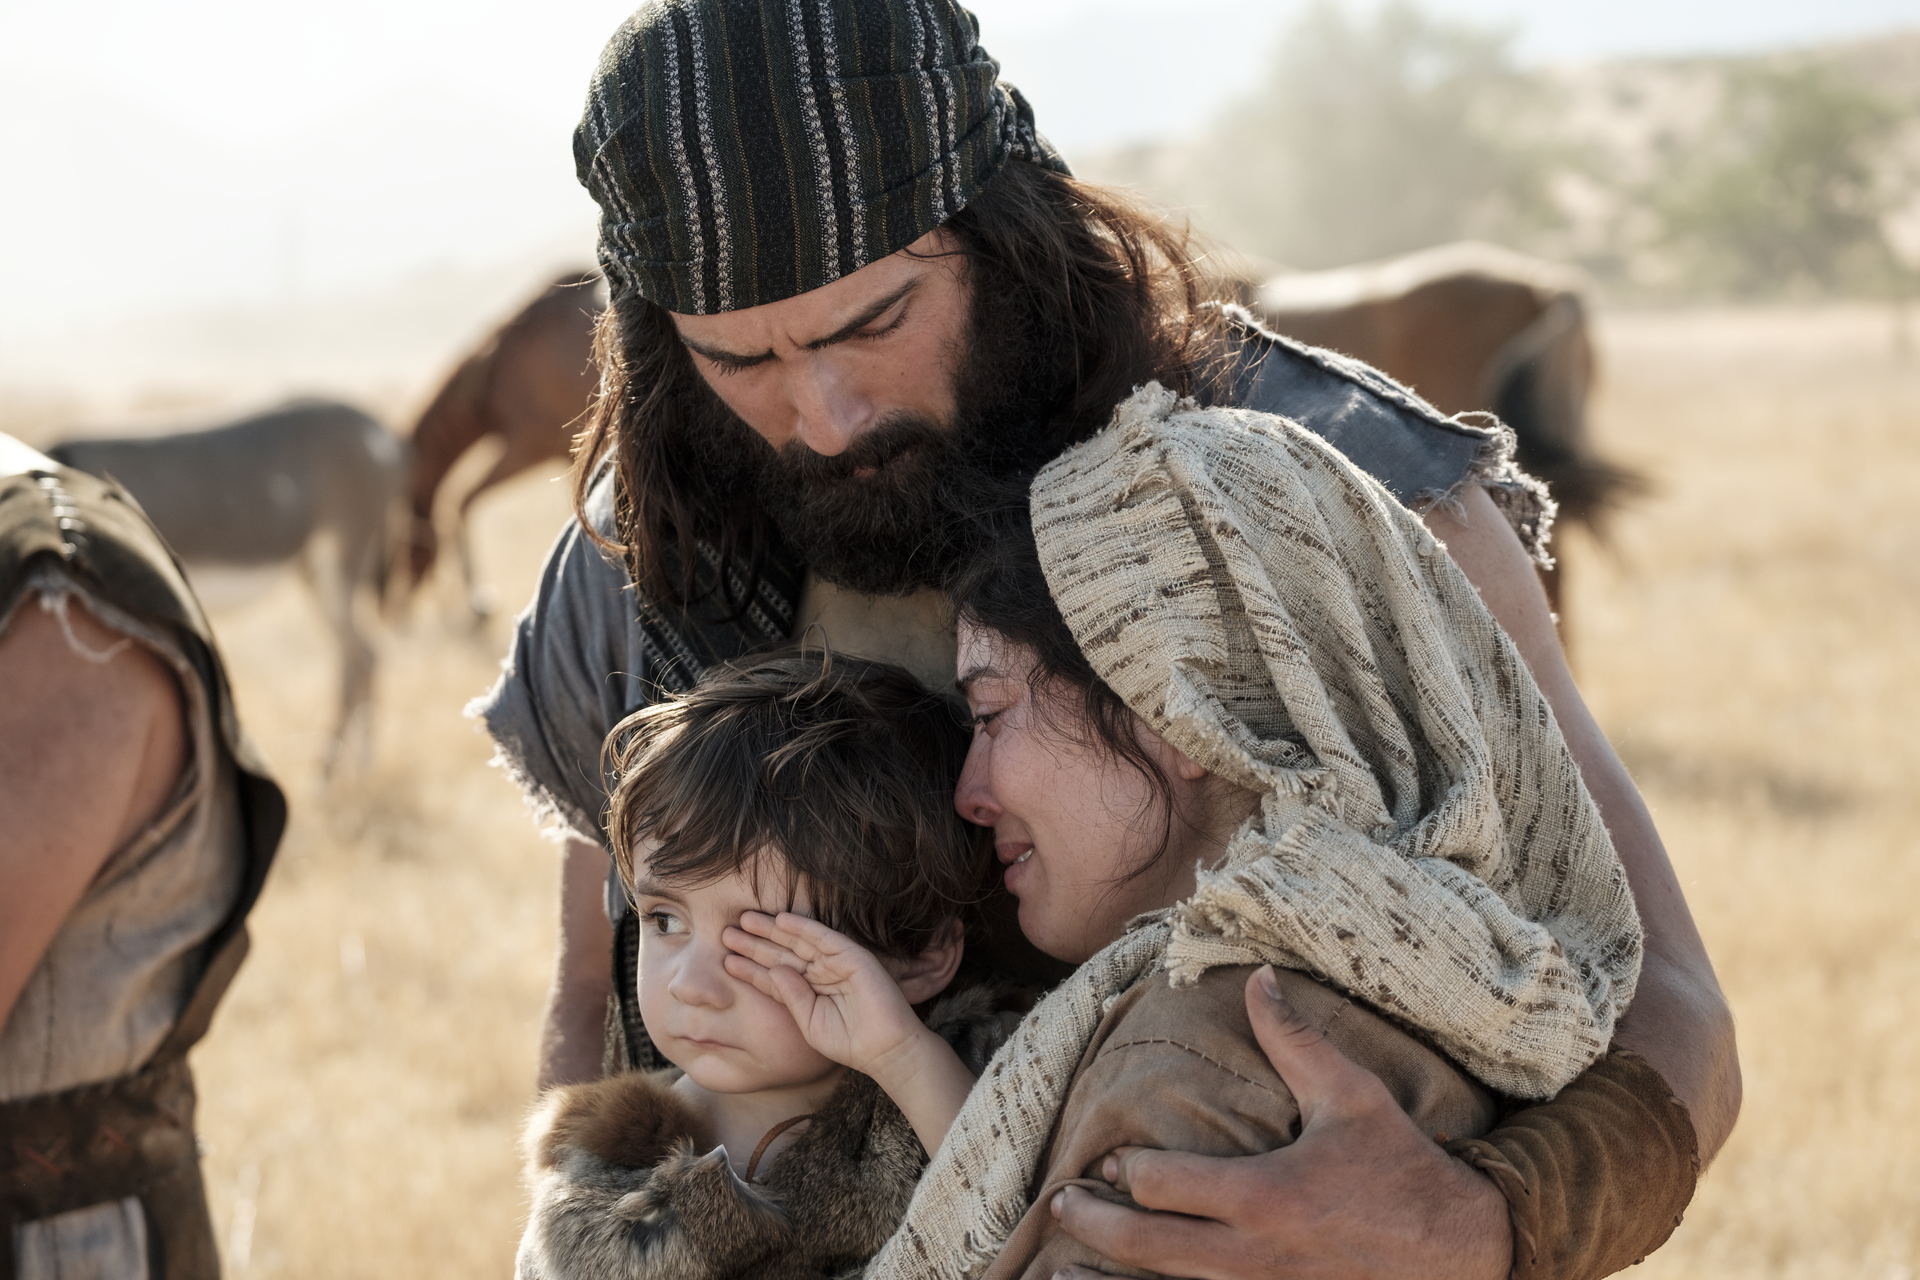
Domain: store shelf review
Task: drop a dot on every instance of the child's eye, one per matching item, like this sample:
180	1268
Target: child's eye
983	719
666	923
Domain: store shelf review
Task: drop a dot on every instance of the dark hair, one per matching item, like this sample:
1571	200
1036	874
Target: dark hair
843	766
1104	294
1004	589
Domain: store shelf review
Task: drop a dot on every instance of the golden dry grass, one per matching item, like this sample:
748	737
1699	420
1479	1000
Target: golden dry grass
1744	644
365	1081
1751	650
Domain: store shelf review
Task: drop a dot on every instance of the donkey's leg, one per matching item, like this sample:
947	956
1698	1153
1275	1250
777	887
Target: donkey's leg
480	598
339	565
517	457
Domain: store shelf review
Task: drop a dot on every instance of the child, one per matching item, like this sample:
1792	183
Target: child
788	835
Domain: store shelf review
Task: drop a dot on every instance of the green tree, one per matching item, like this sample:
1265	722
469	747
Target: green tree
1379	133
1787	190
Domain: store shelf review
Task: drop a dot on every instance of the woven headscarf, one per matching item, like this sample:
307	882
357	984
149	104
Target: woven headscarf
745	151
1424	840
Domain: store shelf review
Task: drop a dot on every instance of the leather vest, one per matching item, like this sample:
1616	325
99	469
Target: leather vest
131	1136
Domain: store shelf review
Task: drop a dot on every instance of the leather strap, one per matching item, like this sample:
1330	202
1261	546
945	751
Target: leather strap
753	1161
131	1136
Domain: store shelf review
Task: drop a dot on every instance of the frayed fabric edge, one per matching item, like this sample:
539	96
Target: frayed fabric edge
556	820
1521	498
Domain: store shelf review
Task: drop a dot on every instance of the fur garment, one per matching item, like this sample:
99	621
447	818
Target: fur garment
621	1193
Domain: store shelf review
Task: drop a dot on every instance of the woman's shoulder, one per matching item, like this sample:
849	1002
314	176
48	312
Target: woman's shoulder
1203	1027
1157	1034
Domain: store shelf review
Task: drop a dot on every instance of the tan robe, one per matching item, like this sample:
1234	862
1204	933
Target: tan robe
1179	1070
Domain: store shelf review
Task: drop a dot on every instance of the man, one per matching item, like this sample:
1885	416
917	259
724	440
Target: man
136	827
854	292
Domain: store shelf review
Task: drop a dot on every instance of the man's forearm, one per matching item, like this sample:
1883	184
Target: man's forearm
1679	1020
573	1031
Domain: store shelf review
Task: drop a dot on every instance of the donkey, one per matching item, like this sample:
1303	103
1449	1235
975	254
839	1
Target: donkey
1472	327
527	384
313	483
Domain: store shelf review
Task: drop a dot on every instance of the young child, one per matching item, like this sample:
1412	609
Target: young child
788	835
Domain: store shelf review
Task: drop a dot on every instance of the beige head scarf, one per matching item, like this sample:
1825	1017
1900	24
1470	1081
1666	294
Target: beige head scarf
1424	841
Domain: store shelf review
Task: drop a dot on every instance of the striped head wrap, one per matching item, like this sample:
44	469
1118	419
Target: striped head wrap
745	151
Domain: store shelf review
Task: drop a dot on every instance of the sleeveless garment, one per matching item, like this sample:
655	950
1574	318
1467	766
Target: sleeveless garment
99	1175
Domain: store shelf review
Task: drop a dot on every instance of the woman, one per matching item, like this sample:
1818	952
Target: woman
1222	647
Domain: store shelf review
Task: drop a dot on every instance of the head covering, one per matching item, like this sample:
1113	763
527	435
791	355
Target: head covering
1424	841
745	151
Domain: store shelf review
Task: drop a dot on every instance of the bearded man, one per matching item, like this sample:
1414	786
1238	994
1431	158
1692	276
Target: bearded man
855	295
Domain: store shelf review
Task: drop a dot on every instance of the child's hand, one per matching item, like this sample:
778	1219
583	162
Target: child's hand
847	1005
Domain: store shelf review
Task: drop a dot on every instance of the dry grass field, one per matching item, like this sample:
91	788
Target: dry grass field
1749	640
1751	649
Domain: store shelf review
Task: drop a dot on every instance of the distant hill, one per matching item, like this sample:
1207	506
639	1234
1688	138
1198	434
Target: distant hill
1600	141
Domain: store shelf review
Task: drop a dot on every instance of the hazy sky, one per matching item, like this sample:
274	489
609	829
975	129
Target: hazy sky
207	151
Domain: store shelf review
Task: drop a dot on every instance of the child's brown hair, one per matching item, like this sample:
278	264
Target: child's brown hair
843	766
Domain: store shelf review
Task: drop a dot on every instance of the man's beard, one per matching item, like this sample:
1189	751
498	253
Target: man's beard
908	522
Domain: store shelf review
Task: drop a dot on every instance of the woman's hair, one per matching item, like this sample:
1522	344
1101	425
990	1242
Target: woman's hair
842	767
1085	292
1003	589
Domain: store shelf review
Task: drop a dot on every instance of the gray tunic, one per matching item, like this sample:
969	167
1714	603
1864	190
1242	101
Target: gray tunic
588	650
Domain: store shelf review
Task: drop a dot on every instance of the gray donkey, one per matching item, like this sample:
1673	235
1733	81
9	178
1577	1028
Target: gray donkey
313	483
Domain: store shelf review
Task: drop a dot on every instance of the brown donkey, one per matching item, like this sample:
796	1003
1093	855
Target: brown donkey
312	484
1472	327
527	384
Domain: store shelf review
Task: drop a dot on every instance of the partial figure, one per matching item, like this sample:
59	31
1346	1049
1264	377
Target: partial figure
139	826
528	387
313	484
786	835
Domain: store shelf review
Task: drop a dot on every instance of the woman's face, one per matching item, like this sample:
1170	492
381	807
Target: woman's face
1069	820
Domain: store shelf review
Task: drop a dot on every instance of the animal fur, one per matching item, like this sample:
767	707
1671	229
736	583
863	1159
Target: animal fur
619	1193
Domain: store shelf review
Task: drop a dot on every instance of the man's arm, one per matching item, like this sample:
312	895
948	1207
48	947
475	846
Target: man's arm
573	1032
89	753
1679	1020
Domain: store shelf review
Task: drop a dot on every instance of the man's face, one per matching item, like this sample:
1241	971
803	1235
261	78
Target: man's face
823	369
872	417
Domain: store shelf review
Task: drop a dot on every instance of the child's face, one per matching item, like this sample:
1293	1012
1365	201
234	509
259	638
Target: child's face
722	1032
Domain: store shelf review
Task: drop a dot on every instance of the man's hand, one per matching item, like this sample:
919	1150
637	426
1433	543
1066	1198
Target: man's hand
1360	1193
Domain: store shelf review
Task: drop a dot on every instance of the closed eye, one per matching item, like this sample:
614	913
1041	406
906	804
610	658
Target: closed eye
889	327
727	366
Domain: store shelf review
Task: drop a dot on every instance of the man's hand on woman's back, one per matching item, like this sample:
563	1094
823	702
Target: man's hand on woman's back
1360	1193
